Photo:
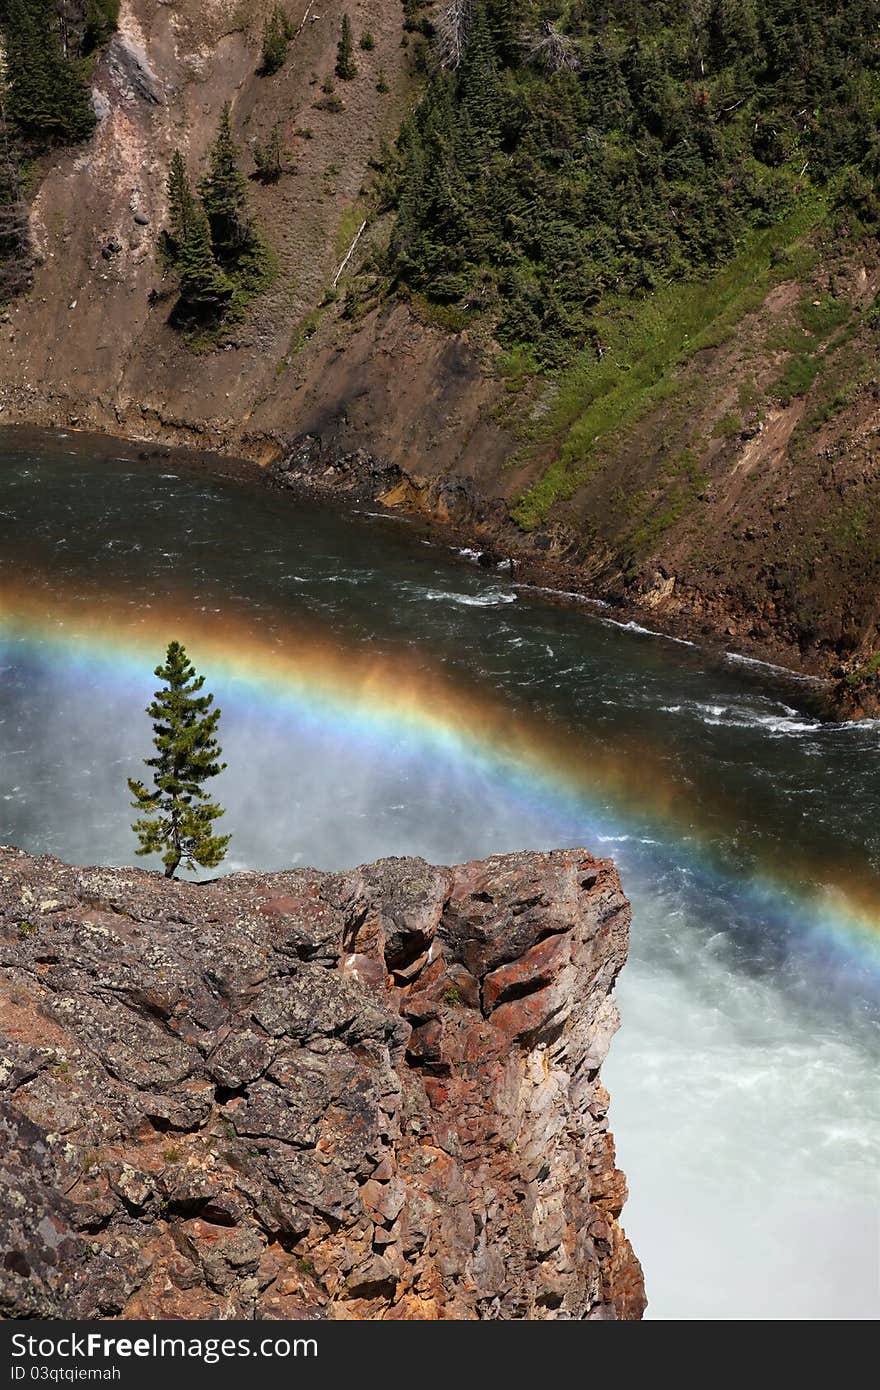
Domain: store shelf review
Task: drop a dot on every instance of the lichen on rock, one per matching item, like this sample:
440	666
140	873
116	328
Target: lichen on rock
370	1095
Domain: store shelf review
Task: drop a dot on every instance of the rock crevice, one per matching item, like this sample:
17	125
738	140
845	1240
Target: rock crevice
372	1094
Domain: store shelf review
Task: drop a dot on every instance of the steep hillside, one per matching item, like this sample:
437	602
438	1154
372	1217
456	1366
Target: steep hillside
92	342
614	305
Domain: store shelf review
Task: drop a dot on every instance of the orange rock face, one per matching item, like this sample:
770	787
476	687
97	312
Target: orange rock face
363	1095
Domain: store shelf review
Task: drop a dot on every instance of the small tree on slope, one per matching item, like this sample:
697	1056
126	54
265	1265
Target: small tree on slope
224	194
346	68
177	819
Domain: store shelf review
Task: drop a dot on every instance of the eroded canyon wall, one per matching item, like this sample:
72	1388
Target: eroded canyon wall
733	489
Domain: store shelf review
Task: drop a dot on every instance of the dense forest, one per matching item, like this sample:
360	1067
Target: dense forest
48	47
568	154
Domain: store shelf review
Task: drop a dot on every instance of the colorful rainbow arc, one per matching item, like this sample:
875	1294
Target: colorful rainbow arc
381	700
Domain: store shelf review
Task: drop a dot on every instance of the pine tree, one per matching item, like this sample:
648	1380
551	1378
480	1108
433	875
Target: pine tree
205	291
479	88
277	34
181	208
225	198
269	158
47	95
100	21
346	68
177	818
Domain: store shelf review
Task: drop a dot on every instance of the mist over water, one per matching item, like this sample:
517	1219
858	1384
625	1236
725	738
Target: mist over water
744	1077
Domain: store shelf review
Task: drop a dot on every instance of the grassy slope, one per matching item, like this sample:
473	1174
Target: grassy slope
595	400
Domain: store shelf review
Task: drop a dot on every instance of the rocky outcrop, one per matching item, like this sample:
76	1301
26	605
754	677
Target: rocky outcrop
372	1094
313	465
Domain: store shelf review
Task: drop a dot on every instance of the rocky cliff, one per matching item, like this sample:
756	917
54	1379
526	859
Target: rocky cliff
369	1095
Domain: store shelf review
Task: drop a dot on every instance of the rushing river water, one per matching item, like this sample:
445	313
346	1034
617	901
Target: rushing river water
380	696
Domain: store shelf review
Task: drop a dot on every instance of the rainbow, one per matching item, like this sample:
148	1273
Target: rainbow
385	699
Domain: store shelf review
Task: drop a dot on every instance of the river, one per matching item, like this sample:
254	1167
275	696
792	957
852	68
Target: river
381	695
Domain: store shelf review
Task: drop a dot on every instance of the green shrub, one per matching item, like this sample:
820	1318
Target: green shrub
797	377
728	426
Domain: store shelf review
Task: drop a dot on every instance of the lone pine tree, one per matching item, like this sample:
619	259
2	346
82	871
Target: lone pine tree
269	158
225	197
177	818
346	68
277	33
181	206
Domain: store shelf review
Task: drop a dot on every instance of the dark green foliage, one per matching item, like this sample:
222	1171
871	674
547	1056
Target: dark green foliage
238	244
225	198
579	156
368	43
346	67
47	94
212	243
205	291
16	252
101	19
44	101
181	209
277	33
177	818
185	247
382	82
269	158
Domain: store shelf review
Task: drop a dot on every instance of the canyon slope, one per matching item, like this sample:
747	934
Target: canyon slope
365	1095
712	464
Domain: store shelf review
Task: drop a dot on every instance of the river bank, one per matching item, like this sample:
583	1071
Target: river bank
554	561
451	513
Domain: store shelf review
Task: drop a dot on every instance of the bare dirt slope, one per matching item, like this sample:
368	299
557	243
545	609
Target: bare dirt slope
88	344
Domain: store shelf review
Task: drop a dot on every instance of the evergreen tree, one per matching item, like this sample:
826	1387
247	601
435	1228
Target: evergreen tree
225	198
607	94
346	68
479	87
212	241
205	290
733	31
181	209
100	20
47	95
177	819
277	34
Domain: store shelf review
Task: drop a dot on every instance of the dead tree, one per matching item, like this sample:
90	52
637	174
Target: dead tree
451	29
554	51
